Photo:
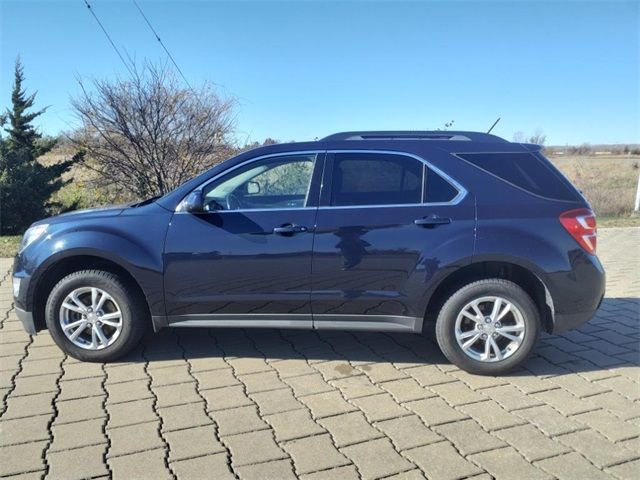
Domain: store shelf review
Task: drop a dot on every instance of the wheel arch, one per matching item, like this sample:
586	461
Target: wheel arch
67	265
522	276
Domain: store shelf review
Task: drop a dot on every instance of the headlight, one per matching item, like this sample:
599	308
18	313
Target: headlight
32	234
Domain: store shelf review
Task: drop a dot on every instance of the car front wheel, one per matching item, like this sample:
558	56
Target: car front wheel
488	327
95	315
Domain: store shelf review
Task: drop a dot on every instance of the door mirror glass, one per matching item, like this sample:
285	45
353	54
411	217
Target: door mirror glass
253	188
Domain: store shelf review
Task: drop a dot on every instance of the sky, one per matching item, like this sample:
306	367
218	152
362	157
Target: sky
306	69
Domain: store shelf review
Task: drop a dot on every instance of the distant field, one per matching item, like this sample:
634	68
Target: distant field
608	182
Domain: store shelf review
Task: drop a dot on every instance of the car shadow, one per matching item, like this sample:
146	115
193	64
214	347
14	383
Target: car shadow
610	340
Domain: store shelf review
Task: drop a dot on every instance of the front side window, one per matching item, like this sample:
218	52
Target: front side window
279	182
375	179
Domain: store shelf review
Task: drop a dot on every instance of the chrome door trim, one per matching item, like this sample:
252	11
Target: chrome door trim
370	323
373	323
462	191
241	320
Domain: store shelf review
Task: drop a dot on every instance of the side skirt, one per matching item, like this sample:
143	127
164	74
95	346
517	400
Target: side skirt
373	323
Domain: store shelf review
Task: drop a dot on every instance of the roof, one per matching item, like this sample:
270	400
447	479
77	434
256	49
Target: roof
415	135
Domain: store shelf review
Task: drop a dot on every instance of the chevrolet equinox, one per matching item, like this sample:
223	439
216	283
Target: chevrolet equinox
376	231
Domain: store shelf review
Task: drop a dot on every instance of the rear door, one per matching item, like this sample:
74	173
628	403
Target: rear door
387	225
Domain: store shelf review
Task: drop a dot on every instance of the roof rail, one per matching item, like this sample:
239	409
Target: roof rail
414	135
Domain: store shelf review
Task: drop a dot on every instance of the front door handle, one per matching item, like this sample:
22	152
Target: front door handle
432	221
289	229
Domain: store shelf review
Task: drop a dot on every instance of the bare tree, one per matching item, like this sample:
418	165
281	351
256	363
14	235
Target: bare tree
148	134
538	138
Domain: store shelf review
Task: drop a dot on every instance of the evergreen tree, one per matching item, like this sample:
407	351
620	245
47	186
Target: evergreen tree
26	185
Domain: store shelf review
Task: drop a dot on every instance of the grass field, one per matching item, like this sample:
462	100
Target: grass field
608	182
9	245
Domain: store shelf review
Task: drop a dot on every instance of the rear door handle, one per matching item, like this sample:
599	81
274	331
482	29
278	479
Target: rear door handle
432	221
289	229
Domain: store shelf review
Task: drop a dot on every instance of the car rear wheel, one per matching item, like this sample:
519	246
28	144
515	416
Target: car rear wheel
95	315
488	327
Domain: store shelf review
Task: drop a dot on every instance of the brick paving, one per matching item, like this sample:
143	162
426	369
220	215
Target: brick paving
295	404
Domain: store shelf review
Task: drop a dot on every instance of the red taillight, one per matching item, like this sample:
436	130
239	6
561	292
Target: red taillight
581	224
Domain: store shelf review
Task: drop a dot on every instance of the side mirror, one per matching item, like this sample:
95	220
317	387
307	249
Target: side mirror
193	203
253	188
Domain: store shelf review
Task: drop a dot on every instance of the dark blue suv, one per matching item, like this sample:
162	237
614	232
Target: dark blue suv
378	231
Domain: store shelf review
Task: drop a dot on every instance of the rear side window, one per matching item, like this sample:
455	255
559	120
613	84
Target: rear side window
524	170
375	179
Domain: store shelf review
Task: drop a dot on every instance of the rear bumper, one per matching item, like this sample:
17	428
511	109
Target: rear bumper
568	321
27	320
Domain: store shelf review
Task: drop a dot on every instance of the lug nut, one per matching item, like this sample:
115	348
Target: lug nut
498	325
484	336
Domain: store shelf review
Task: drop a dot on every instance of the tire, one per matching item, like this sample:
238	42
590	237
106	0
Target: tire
123	302
521	314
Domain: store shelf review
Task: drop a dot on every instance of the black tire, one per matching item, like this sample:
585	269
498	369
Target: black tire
132	307
445	325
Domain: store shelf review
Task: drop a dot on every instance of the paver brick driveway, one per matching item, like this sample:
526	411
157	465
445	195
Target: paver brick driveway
285	404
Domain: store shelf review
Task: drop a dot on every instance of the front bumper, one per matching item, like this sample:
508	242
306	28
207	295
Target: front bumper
20	282
27	320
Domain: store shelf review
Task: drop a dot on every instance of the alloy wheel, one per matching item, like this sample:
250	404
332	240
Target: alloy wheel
490	329
90	318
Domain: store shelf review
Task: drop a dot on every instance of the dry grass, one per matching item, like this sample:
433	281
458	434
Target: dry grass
609	183
9	245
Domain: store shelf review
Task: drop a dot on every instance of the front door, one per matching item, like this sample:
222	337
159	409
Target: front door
246	261
387	225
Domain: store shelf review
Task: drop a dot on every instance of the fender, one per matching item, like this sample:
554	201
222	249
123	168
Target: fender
140	254
550	254
525	264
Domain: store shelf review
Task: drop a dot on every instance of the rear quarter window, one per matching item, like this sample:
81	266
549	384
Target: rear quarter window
526	171
437	189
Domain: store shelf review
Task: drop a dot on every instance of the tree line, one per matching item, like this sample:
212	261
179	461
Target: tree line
141	136
137	137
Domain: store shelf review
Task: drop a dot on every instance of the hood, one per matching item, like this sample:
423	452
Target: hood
106	211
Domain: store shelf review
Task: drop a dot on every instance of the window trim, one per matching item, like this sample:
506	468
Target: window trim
323	187
204	184
462	192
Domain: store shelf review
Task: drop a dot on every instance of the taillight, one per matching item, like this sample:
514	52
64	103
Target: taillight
581	224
